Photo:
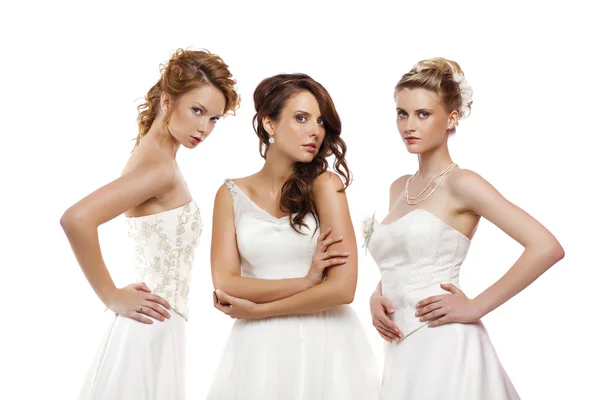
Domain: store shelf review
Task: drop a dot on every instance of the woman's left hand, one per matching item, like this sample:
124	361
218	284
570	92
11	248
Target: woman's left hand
235	307
448	308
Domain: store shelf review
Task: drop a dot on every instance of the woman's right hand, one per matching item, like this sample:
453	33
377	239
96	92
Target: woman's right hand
324	258
380	308
136	300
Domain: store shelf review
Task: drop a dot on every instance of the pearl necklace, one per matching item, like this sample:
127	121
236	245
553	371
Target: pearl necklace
414	200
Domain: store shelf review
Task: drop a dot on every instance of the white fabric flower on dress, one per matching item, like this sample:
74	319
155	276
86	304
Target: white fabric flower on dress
368	224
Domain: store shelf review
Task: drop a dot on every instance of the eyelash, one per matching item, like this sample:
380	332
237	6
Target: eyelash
422	114
198	111
319	121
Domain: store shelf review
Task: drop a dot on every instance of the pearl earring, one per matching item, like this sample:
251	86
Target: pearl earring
271	140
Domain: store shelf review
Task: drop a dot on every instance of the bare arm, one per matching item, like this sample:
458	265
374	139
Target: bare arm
81	221
225	261
542	250
340	285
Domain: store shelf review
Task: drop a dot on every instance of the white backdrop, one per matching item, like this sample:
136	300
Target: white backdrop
74	72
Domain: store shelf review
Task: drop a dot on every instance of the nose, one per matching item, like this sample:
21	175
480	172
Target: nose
317	130
203	125
409	125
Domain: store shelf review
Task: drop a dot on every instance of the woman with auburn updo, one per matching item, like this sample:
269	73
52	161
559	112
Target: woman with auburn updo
142	354
438	348
284	259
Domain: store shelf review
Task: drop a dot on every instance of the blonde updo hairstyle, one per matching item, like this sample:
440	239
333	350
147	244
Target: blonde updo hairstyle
443	77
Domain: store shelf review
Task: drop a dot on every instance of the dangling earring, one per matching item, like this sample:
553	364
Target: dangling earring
271	140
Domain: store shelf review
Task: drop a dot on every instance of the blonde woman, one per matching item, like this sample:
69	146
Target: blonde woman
438	348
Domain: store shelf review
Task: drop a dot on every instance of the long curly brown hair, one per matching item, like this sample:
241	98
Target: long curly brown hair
270	98
185	71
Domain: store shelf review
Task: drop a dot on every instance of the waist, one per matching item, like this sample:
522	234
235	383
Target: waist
404	294
173	286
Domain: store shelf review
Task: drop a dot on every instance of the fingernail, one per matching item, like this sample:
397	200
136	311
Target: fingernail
340	237
218	291
392	310
343	261
346	252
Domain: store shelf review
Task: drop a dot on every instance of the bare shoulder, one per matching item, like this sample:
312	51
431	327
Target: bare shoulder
246	183
473	191
327	182
463	182
398	185
396	188
226	190
161	168
222	194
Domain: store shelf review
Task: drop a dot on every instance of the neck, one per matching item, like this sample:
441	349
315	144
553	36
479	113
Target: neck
160	136
276	171
434	162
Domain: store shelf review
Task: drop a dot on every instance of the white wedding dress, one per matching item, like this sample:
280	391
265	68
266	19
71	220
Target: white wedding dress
416	253
322	356
136	361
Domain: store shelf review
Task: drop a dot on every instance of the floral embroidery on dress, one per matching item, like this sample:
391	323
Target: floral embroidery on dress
165	245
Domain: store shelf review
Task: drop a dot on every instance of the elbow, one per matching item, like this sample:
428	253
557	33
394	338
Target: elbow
345	294
556	252
348	298
222	282
552	252
218	282
68	221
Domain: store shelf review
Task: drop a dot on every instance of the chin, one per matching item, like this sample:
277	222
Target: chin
188	145
306	158
417	148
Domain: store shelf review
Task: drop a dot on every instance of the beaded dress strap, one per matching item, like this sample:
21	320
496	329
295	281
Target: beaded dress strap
231	186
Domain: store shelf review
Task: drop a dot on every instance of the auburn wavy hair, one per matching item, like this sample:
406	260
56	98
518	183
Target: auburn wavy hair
185	71
270	98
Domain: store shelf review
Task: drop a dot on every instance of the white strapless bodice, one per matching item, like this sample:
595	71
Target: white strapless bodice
416	253
165	244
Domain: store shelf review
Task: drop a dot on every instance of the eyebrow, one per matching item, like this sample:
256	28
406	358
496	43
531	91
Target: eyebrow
307	113
419	110
204	108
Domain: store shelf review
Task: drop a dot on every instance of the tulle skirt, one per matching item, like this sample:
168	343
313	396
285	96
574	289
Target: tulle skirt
450	362
312	357
138	361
